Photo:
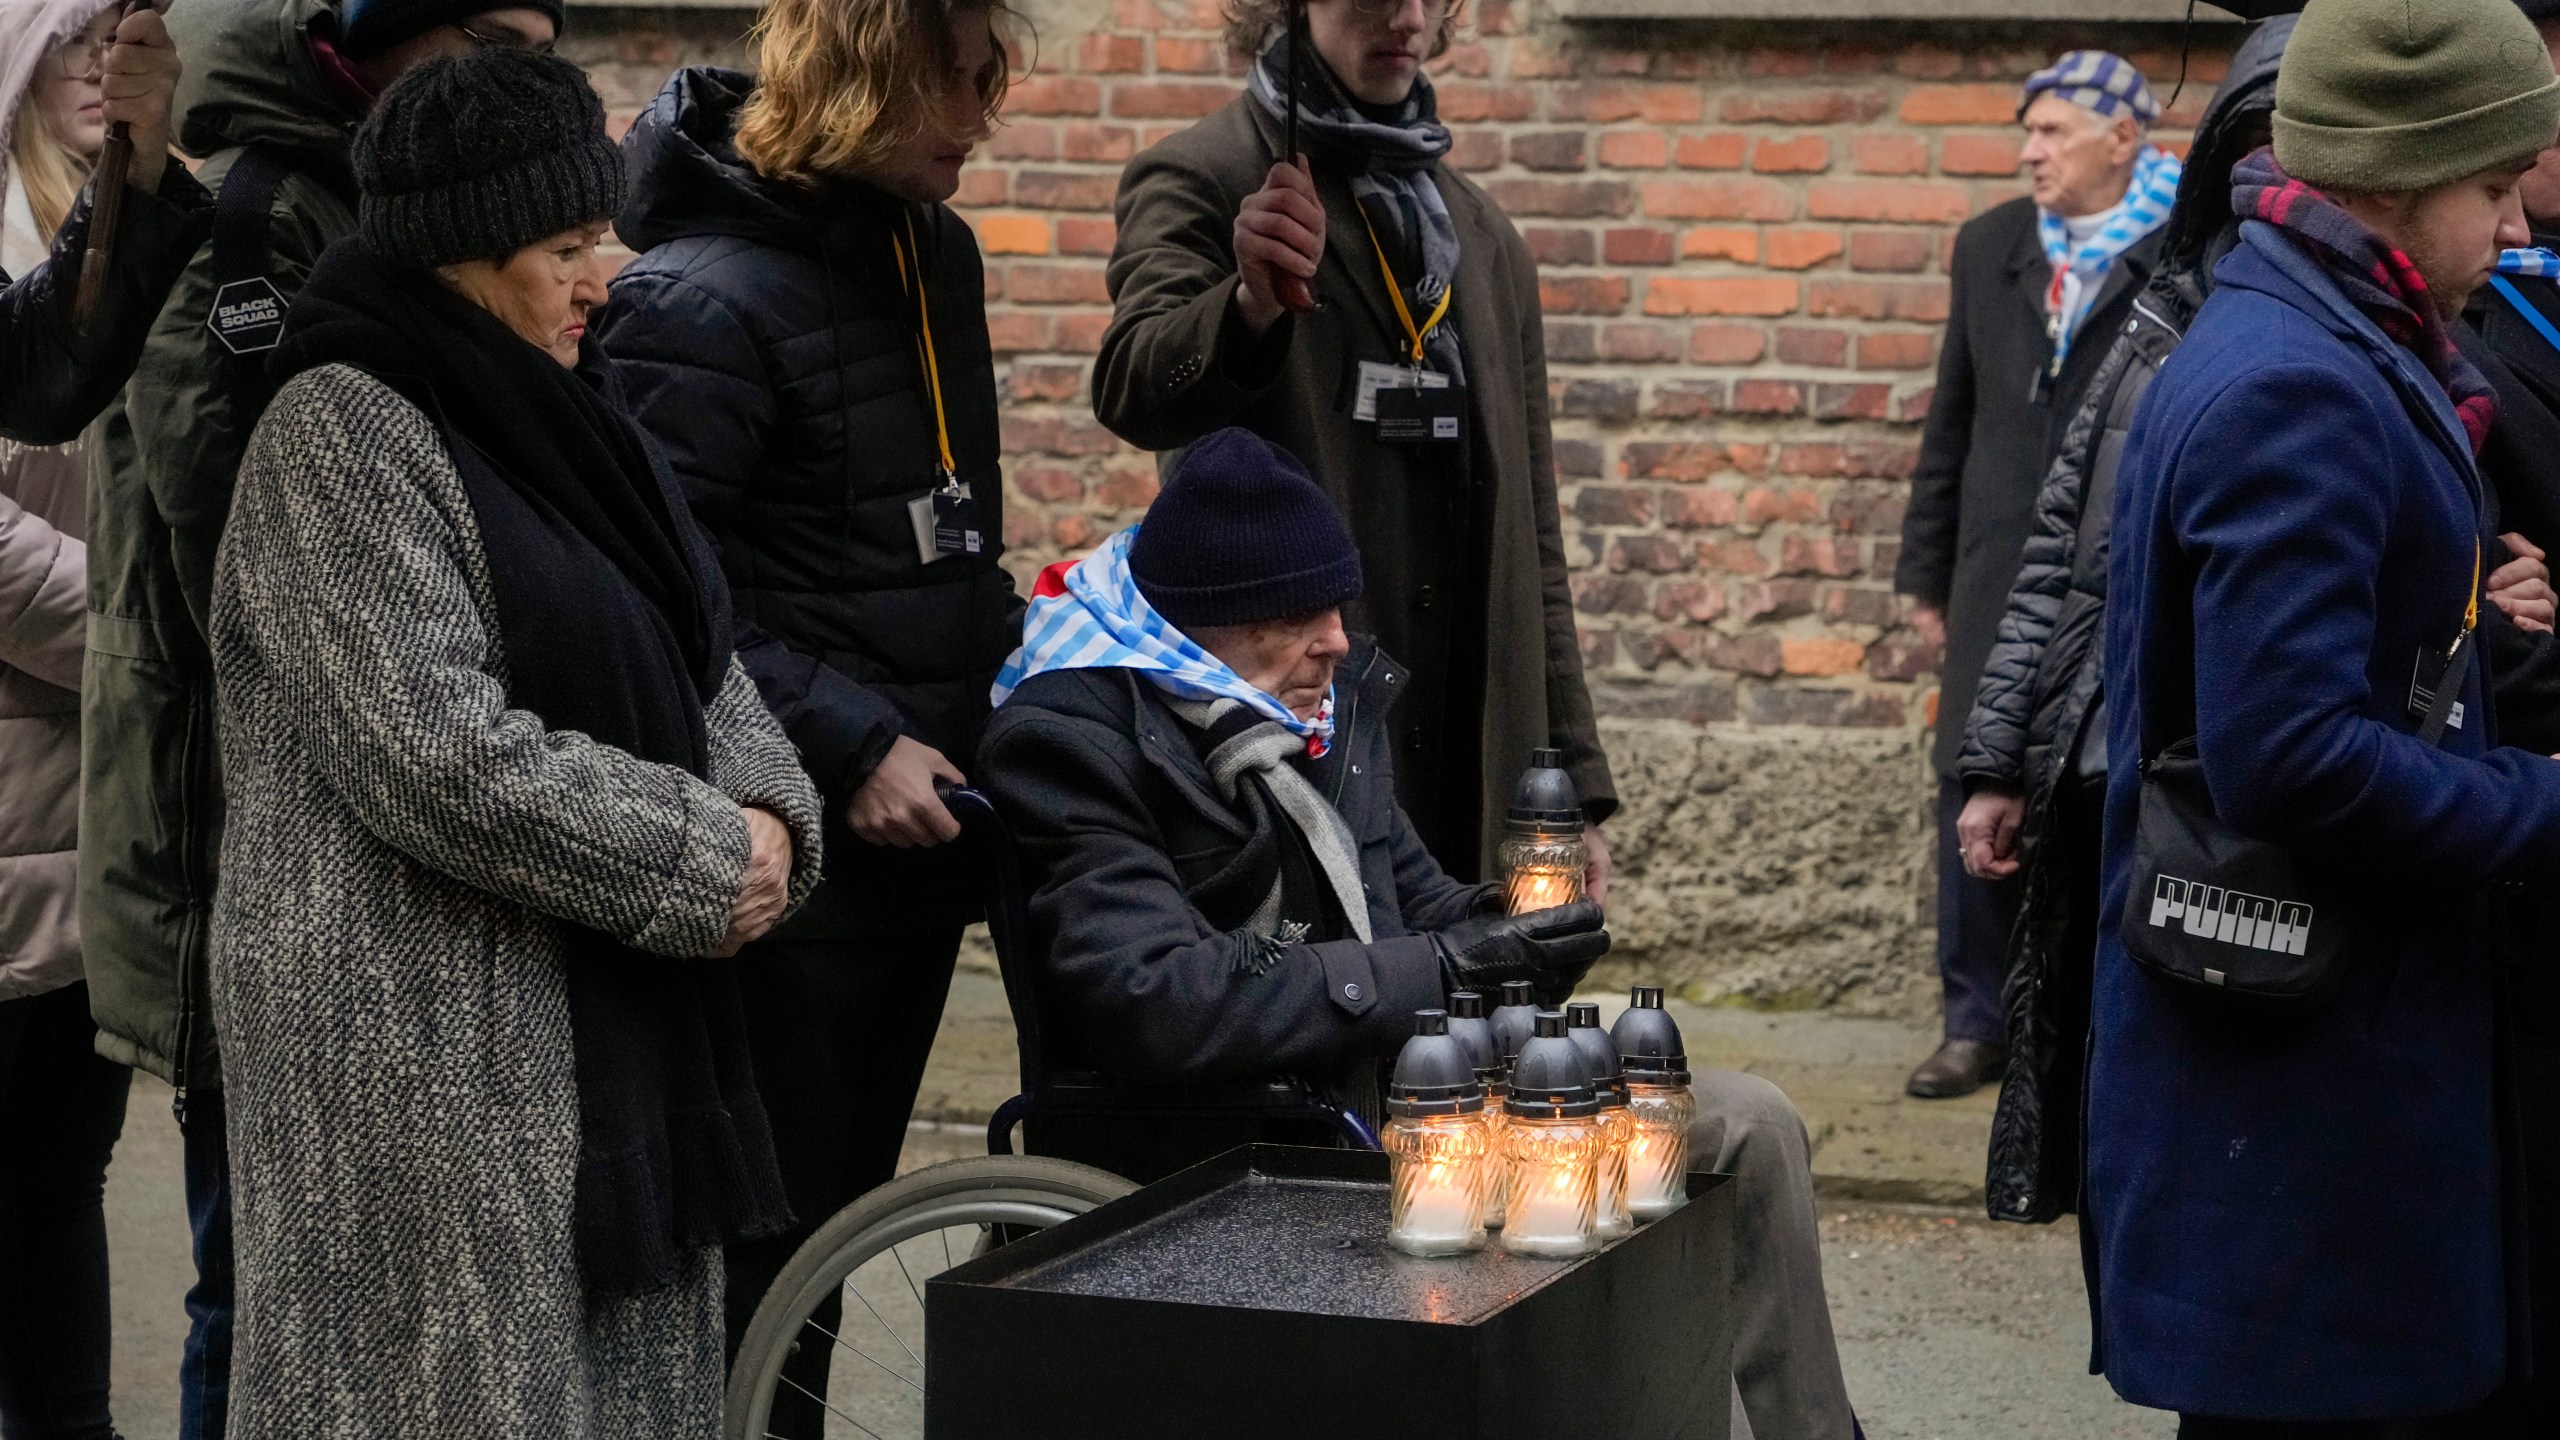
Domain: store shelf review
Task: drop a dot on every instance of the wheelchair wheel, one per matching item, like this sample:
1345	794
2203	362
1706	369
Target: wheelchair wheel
869	1264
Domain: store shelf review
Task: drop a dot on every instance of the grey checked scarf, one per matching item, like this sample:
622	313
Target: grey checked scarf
1265	752
1389	167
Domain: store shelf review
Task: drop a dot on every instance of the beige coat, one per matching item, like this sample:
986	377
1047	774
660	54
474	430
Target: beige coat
44	609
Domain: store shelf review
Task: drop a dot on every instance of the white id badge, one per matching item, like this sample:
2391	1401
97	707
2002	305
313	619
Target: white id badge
920	516
1375	377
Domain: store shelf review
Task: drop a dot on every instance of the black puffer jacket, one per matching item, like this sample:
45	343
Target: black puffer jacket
54	380
769	347
2042	694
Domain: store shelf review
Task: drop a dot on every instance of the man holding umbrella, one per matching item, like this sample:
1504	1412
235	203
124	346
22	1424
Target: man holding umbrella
1419	368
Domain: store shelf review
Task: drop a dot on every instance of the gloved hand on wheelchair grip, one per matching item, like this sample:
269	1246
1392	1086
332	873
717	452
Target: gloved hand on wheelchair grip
1545	947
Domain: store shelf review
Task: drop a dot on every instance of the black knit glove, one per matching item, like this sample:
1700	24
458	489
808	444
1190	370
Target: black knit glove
1545	947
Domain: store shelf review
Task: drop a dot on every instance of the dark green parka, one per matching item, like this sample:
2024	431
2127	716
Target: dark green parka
163	460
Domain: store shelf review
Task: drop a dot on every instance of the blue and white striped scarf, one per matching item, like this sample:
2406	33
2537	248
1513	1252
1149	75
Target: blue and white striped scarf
1088	615
2145	208
2538	263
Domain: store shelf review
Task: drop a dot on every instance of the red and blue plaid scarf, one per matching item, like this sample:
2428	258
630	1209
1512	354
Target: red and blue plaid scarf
2378	277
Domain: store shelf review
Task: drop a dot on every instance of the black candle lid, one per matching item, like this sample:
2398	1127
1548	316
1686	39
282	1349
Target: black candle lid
1551	1080
1434	1073
1467	1022
1514	1019
1648	1040
1545	797
1582	1027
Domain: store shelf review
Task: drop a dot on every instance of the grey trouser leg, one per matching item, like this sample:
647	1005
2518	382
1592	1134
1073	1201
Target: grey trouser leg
1786	1367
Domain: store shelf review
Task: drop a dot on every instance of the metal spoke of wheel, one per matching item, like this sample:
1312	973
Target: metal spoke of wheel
911	1280
945	1233
865	1354
830	1409
885	1325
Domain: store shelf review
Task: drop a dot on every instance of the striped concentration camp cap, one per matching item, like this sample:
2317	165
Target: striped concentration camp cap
2098	80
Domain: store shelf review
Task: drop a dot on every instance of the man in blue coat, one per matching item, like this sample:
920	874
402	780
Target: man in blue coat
2304	1217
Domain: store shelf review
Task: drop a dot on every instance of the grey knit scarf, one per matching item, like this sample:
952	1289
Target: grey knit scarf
1389	168
1265	752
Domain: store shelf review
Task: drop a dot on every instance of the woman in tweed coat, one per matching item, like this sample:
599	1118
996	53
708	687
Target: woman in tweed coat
496	786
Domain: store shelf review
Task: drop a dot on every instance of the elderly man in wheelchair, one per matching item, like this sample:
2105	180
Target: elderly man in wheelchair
1238	920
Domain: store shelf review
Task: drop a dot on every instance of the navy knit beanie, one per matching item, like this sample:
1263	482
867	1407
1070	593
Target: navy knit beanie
477	157
368	27
1241	535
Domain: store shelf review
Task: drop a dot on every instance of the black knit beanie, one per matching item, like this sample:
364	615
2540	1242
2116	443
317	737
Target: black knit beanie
369	27
475	158
1240	535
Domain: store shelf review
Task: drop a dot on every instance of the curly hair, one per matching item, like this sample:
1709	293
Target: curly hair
1252	22
845	83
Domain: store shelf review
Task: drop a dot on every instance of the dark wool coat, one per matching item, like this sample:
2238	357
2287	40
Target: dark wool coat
2305	1218
1466	569
1119	819
1983	451
769	348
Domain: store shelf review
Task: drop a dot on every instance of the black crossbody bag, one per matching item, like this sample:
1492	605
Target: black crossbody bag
2212	909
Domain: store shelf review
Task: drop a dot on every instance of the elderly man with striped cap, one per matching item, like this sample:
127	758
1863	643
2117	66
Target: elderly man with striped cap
2031	277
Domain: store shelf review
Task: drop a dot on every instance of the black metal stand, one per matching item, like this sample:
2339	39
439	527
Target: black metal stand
1255	1296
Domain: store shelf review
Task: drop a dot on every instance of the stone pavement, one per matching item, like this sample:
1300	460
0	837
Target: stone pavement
1951	1328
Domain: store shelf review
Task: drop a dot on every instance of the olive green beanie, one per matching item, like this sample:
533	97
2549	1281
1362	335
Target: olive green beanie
2381	95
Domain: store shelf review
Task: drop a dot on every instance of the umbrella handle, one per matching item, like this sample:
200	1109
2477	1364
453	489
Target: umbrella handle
1295	294
106	214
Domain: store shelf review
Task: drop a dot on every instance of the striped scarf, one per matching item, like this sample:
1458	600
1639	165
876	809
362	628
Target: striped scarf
1088	615
2536	263
2379	278
1388	166
2144	208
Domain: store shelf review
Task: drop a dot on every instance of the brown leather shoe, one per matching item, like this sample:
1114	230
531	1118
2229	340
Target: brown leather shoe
1959	1068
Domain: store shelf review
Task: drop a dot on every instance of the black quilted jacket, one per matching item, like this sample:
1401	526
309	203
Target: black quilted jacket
2042	693
53	379
768	346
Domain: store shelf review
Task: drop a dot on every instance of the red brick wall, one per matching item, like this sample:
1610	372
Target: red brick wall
1743	234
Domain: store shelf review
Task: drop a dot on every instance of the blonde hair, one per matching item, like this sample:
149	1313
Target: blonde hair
52	172
845	83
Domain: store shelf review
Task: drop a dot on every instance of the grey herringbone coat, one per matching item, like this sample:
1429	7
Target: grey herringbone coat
403	856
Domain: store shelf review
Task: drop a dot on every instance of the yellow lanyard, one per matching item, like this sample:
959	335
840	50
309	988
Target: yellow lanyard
1395	293
2471	612
911	276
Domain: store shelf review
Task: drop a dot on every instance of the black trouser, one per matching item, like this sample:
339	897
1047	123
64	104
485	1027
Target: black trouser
61	1111
840	1027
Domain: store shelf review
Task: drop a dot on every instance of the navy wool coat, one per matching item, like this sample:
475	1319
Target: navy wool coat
2305	1218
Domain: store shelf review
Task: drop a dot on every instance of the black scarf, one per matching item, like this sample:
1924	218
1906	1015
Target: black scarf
614	621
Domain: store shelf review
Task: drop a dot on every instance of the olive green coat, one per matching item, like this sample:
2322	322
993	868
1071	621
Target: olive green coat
1496	675
163	460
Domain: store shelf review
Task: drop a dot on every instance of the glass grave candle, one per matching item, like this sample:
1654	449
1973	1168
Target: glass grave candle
1552	1136
1467	1021
1543	857
1656	1067
1437	1144
1617	1126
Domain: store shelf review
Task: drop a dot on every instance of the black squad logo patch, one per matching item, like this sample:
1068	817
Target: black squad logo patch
248	316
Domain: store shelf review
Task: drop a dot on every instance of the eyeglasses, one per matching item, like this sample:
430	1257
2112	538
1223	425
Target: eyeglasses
84	56
505	40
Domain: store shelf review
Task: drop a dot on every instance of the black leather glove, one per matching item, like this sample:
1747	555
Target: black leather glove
1548	948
